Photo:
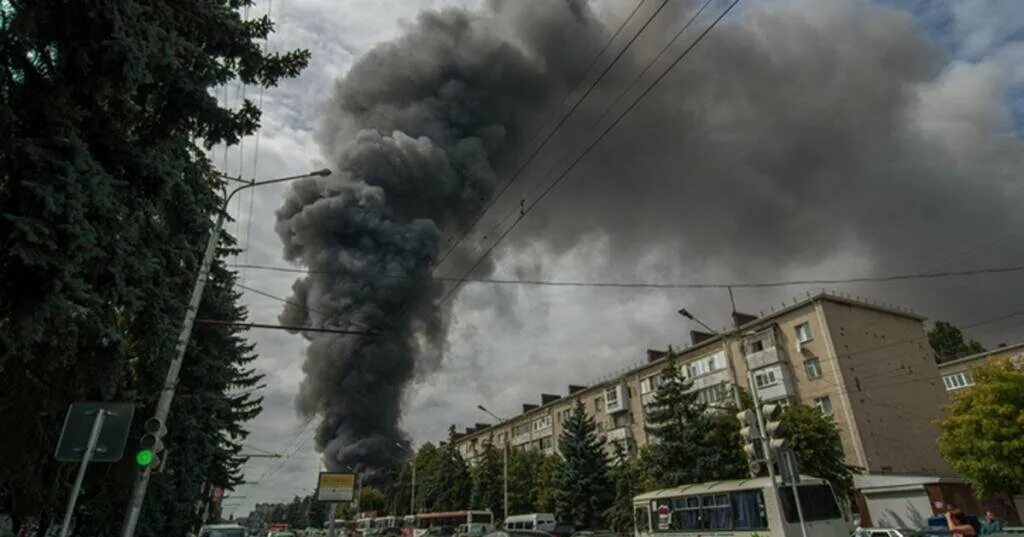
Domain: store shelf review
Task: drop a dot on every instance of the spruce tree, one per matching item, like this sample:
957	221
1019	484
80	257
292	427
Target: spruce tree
488	490
106	198
675	419
625	476
451	484
583	490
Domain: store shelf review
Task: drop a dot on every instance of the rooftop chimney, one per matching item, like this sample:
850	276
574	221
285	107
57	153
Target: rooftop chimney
546	398
653	355
740	319
528	407
696	336
573	388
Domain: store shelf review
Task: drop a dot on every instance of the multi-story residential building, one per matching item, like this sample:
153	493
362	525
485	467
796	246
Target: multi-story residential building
868	366
956	374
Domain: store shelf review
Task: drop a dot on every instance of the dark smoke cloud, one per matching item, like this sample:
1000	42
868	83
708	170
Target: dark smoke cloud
800	134
414	132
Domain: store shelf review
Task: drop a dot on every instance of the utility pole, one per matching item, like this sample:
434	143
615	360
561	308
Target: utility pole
163	406
508	438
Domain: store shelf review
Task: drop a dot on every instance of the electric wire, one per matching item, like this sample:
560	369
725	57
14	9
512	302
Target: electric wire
562	120
526	210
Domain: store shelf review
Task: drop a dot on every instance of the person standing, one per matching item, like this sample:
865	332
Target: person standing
991	524
957	523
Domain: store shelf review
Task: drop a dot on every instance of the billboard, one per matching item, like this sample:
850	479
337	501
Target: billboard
335	487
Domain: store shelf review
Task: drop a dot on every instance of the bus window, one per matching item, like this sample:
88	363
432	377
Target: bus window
686	513
816	502
716	512
748	510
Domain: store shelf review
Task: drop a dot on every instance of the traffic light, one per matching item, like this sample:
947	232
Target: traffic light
749	432
151	443
751	436
774	434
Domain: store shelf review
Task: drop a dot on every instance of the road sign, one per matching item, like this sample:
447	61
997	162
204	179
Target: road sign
335	487
74	437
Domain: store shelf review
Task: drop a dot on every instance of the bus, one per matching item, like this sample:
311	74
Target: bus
417	526
741	508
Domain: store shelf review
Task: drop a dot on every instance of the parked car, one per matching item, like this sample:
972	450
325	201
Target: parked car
562	529
223	530
517	533
596	533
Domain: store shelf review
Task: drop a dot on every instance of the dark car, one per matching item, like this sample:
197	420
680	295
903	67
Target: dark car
517	533
563	529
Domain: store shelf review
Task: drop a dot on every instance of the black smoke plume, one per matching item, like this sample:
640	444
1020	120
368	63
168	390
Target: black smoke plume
415	133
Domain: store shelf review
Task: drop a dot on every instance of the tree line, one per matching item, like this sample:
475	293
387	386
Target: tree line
592	485
107	196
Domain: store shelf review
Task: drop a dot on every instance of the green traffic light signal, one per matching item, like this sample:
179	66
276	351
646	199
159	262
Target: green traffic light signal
144	457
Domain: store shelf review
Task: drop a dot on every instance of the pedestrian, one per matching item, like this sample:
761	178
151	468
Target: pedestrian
957	523
991	524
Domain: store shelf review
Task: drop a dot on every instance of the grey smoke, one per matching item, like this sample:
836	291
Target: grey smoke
800	133
415	132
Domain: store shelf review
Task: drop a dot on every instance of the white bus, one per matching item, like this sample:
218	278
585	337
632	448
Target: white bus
419	525
744	507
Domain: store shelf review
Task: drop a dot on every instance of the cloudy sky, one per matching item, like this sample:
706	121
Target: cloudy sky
963	63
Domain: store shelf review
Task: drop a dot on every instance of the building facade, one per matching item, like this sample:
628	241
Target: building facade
867	366
956	374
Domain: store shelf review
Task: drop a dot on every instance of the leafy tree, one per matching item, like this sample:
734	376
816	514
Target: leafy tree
544	486
982	435
625	476
104	196
371	499
948	342
583	490
818	447
488	490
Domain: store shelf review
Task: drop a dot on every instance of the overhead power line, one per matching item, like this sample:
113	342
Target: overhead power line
565	117
526	210
662	285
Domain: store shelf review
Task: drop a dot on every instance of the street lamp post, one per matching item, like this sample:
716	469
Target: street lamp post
504	450
163	406
412	488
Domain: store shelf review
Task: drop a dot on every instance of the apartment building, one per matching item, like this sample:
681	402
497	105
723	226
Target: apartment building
867	366
956	374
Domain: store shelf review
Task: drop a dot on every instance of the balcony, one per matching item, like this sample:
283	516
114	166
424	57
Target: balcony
775	382
617	434
615	399
520	439
767	356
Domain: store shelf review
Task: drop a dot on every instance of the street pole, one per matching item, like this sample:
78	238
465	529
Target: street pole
505	479
334	514
94	437
163	406
508	438
788	455
412	491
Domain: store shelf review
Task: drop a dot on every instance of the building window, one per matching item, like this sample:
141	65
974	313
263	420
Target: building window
765	379
598	404
622	419
714	395
955	381
803	332
611	396
545	442
648	385
521	429
824	404
813	368
563	415
540	424
756	346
